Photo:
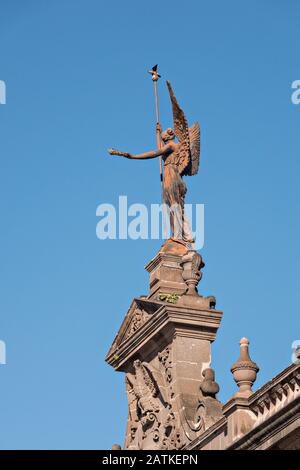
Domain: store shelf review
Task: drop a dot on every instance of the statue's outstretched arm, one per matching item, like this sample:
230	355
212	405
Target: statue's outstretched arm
143	156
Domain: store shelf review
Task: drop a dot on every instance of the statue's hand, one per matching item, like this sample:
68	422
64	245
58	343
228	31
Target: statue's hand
112	152
158	128
121	154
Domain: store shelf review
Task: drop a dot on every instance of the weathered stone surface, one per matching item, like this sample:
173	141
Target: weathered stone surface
164	347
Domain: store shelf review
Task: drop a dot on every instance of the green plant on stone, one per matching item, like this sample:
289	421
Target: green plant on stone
171	298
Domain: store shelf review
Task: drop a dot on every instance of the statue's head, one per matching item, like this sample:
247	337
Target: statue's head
168	135
136	363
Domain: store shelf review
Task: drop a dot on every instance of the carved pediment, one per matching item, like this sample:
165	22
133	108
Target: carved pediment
139	313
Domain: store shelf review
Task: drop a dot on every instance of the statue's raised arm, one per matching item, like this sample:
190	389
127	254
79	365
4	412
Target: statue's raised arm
163	151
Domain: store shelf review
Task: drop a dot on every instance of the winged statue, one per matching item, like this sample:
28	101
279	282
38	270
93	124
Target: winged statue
180	150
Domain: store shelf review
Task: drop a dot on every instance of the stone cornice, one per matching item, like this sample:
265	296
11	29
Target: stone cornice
167	320
273	425
289	375
235	403
162	256
276	395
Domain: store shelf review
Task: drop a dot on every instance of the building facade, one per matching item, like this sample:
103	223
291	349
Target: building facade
164	348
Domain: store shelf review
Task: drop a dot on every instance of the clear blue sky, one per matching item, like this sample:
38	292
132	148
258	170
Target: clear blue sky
77	84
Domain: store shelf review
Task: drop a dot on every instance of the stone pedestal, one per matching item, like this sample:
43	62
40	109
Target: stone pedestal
164	347
165	270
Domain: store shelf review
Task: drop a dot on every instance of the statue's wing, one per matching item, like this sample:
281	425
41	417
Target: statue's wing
156	382
181	131
149	379
131	396
192	167
132	386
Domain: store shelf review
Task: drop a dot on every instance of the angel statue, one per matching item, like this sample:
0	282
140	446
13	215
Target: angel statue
181	158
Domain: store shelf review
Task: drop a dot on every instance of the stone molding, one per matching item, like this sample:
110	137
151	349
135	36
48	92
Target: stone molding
166	321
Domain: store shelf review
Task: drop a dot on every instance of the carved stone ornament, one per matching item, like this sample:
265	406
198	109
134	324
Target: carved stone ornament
244	370
139	318
167	364
209	387
210	409
151	421
140	312
192	264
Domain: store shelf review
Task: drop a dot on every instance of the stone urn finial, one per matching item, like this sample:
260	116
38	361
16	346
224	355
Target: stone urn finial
244	371
192	263
116	447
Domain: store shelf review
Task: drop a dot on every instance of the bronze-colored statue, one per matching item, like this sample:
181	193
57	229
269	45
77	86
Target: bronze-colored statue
180	158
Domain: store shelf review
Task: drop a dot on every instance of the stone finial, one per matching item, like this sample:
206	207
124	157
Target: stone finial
210	409
244	371
116	447
209	387
192	263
